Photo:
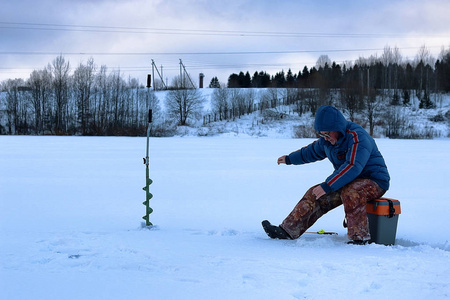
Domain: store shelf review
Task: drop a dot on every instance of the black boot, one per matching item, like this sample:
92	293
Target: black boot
275	232
359	242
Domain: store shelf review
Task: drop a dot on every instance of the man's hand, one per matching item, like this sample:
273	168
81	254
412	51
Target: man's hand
318	192
282	159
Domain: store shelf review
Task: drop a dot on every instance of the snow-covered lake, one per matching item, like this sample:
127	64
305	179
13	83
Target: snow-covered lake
71	208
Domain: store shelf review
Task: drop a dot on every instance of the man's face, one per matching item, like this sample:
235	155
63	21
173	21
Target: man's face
330	136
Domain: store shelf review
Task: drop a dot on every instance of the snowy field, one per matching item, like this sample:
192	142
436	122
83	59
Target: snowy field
71	208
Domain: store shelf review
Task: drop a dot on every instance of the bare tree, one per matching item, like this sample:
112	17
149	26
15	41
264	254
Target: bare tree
220	102
11	87
100	99
118	101
424	55
183	104
60	70
322	61
83	80
40	84
386	60
237	101
423	61
395	65
391	60
371	109
350	96
154	105
291	95
134	86
270	97
249	100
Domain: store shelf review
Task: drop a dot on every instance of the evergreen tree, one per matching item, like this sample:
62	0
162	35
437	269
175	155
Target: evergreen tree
245	80
442	68
256	81
290	79
265	79
233	81
214	84
425	101
406	97
279	80
305	78
336	76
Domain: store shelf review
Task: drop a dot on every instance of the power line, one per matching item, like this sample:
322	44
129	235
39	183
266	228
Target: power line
173	67
179	31
200	53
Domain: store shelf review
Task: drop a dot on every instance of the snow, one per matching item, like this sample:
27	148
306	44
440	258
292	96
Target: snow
419	123
71	227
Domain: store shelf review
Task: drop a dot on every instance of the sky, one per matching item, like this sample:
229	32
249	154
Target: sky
216	38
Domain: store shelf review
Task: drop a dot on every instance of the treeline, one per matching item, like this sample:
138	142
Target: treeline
55	101
86	100
372	88
388	71
368	107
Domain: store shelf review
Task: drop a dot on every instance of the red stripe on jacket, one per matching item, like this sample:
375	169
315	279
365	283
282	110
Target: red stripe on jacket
352	159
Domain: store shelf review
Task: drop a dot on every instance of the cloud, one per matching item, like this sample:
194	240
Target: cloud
118	33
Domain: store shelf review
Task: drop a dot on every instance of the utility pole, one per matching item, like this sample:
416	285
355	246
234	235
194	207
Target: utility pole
186	74
159	74
181	74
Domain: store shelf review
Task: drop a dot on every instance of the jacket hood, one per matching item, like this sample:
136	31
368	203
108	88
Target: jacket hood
329	118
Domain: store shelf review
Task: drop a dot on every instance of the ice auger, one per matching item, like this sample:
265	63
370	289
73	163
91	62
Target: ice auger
148	181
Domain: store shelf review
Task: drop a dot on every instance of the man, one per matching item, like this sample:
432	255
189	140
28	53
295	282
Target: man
360	175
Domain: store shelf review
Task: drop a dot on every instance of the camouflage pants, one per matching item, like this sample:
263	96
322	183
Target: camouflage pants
354	196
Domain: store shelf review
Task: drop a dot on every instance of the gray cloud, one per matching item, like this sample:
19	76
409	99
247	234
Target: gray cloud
117	33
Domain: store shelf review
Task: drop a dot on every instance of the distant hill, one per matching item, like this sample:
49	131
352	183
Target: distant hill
284	122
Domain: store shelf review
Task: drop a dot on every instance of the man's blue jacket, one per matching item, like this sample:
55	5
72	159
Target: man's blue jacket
355	155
